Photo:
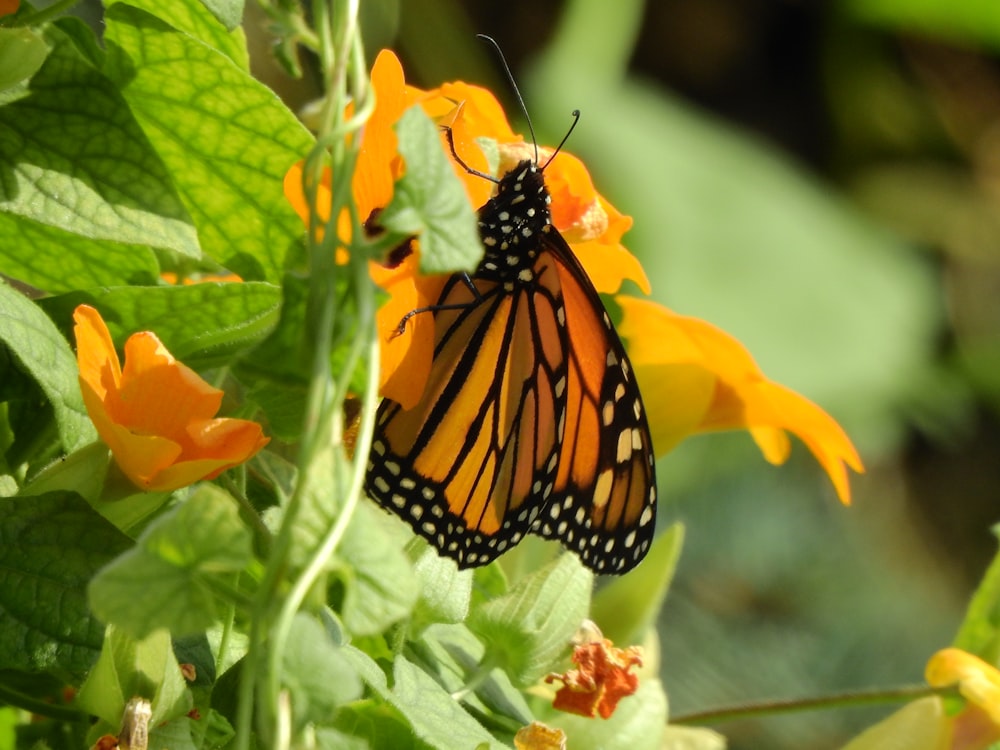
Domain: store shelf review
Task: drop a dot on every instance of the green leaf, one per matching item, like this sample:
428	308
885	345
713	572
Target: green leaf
380	587
979	633
529	629
202	324
226	139
429	201
82	471
434	715
317	675
128	667
76	159
60	260
228	12
50	546
637	723
445	591
200	20
379	725
972	22
22	53
455	657
171	578
920	725
628	606
692	738
41	351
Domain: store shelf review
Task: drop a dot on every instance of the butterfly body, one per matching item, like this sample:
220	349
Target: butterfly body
530	421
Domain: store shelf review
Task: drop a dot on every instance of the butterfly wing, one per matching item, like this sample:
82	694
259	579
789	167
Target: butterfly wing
604	502
470	465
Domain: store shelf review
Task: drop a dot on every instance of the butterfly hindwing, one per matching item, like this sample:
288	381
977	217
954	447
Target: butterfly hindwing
604	503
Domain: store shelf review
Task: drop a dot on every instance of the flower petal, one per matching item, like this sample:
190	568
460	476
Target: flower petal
95	352
405	357
603	678
379	163
743	398
159	395
978	681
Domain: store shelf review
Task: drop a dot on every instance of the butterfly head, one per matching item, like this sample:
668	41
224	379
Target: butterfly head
519	212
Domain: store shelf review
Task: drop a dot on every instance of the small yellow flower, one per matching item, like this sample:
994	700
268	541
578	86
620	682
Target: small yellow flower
156	415
927	724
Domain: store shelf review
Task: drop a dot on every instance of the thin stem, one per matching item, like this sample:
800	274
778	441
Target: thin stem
847	699
12	697
261	532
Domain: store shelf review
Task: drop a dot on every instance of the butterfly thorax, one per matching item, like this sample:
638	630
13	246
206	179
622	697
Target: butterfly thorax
511	223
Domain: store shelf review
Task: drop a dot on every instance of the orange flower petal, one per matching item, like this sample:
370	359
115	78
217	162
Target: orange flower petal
379	164
664	345
156	414
406	356
150	368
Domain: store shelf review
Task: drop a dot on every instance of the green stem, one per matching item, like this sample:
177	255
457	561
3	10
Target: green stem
262	534
849	699
46	14
16	698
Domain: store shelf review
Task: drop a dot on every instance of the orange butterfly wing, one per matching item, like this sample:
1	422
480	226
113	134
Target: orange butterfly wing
531	420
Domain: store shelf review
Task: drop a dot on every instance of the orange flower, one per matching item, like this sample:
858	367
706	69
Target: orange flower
695	378
471	112
602	680
156	415
9	7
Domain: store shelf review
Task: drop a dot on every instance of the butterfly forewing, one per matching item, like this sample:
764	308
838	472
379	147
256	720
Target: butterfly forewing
531	420
466	465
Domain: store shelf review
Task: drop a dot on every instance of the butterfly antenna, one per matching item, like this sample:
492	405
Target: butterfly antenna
576	119
517	92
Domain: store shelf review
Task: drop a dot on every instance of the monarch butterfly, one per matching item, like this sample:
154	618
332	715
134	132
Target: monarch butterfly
531	420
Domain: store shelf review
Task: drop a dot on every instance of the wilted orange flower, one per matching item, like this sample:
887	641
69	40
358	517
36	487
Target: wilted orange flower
156	415
603	679
9	7
696	378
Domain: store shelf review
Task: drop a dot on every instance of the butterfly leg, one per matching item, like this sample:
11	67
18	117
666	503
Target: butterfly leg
467	280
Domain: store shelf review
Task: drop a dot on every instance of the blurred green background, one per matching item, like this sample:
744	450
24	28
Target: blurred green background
822	181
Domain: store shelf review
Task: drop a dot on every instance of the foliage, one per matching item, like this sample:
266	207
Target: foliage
272	606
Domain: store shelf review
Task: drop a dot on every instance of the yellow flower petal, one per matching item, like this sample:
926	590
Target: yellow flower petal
978	681
676	357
